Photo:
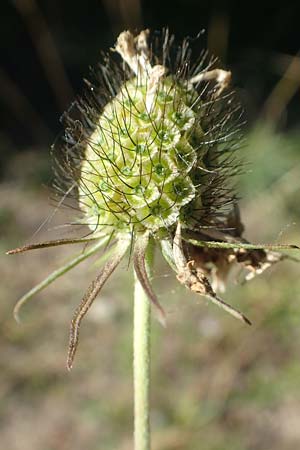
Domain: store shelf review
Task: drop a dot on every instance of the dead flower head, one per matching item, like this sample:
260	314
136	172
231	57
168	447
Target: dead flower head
149	152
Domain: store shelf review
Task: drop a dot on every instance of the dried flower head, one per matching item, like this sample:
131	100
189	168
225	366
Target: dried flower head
149	153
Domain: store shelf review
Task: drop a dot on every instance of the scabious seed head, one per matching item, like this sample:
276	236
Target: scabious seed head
138	167
150	154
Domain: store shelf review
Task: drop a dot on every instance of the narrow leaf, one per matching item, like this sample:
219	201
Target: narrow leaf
241	245
56	274
167	251
90	296
230	309
53	243
139	263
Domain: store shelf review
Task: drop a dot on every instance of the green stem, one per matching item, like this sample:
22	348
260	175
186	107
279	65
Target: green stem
141	360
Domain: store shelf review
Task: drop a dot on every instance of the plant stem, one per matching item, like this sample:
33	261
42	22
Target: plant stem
141	360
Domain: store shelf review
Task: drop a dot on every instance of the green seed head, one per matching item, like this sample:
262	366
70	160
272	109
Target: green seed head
136	171
151	153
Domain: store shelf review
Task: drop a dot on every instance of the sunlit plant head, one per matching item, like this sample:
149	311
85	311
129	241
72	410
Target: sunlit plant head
152	153
149	153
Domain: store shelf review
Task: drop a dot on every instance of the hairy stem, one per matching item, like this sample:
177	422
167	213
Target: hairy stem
141	360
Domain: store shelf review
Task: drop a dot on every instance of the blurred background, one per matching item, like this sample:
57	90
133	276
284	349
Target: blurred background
216	385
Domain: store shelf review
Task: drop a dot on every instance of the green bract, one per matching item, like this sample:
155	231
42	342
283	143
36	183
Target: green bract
140	162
